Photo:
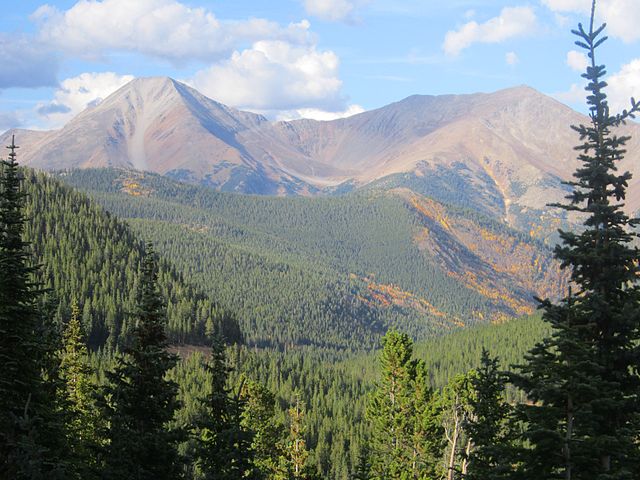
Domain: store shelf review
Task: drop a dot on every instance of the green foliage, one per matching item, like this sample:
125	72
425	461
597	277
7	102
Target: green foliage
83	422
258	417
583	380
405	439
139	401
298	271
455	402
89	255
296	464
492	453
224	450
31	446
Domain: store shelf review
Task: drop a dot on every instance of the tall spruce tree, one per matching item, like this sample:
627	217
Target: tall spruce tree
583	381
391	410
140	401
492	452
224	450
83	422
24	453
258	417
427	432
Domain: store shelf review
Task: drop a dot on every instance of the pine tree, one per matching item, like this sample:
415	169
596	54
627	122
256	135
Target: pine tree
362	470
391	409
427	440
224	451
258	417
24	453
583	381
140	402
83	422
492	453
298	455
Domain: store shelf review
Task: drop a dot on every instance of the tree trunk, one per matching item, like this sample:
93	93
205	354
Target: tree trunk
454	447
465	461
567	439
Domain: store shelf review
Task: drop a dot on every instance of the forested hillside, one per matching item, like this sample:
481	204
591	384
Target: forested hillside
90	256
336	393
333	272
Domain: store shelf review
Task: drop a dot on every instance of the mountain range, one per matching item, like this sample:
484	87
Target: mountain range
503	154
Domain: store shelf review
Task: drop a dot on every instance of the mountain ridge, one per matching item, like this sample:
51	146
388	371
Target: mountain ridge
506	153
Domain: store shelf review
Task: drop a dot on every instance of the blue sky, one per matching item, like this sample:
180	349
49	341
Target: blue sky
301	58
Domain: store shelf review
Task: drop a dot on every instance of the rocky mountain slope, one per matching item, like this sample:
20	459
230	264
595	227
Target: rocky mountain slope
503	154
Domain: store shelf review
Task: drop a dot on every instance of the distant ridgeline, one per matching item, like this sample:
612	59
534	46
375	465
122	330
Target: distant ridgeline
89	255
332	272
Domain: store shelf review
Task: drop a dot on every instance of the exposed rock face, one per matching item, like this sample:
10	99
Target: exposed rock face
503	154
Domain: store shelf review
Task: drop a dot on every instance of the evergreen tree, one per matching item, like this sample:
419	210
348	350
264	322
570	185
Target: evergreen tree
139	400
297	453
391	409
491	455
258	417
362	470
427	439
24	453
224	451
83	421
583	380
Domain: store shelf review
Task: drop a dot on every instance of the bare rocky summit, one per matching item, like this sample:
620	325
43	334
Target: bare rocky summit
503	154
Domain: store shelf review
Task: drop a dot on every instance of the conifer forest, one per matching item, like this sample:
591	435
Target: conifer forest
153	328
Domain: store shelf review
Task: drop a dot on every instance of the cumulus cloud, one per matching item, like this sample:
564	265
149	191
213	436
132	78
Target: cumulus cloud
166	29
622	16
26	63
582	6
577	61
572	97
77	93
511	58
512	22
317	114
333	10
275	76
623	85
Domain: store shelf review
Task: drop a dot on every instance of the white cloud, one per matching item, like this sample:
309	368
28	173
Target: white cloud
333	10
577	61
317	114
623	85
621	16
275	76
582	6
77	93
511	58
573	97
163	28
512	22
